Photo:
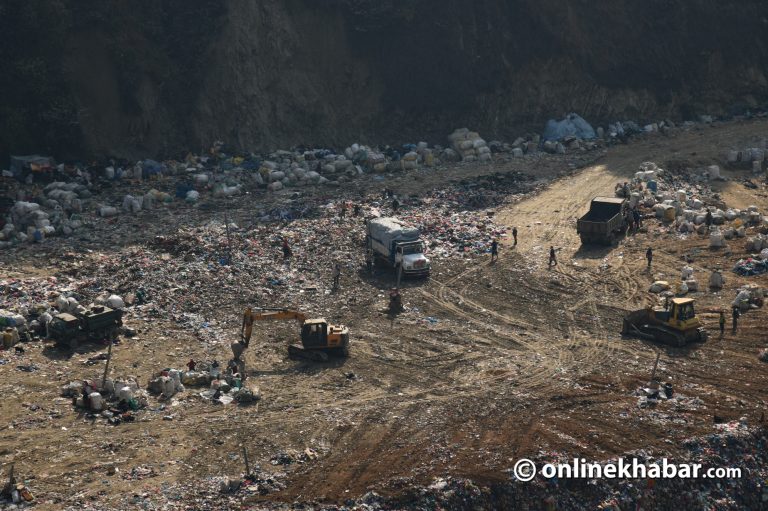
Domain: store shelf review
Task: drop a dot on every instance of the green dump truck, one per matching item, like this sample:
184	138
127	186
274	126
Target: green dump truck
95	323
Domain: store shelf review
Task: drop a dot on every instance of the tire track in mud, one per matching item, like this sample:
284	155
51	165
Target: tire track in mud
545	360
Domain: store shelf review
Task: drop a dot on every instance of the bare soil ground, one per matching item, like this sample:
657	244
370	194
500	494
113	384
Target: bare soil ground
491	362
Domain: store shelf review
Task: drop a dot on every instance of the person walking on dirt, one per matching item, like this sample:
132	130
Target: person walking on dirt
342	209
649	256
191	365
357	210
736	313
514	236
636	217
336	276
708	219
722	324
395	205
369	262
286	250
552	257
494	250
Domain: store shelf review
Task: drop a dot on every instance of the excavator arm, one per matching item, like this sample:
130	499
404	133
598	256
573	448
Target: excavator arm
265	315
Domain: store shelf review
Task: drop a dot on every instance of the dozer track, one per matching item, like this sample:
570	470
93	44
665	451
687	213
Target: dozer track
299	353
659	334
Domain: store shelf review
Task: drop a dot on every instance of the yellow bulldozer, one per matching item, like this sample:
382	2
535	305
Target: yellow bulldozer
676	325
318	338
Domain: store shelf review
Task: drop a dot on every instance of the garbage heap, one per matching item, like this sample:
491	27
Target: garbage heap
58	211
116	401
225	387
683	204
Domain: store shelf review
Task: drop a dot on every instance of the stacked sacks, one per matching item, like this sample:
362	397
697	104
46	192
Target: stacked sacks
68	195
376	162
30	223
469	145
409	161
426	155
132	204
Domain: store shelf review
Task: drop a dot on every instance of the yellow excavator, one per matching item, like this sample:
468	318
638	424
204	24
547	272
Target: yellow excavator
318	338
676	325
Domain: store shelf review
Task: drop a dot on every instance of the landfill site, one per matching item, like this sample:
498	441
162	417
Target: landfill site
210	321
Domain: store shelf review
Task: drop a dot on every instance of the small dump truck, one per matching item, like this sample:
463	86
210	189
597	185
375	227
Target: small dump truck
96	323
604	222
395	243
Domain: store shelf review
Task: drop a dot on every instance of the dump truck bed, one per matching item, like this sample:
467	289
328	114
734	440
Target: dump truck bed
602	220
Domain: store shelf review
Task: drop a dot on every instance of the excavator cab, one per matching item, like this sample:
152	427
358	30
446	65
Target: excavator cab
314	333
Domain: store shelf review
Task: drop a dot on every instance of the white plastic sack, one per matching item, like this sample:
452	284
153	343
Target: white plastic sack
115	302
716	280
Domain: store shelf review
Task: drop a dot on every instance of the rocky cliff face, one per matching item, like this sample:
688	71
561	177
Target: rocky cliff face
154	77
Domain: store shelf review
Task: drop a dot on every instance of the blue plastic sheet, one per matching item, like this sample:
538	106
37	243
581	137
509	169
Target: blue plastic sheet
572	126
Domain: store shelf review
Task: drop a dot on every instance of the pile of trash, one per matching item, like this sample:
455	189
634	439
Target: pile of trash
222	392
749	296
749	267
683	205
116	401
224	387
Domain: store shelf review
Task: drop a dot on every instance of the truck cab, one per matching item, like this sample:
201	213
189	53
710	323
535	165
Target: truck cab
411	256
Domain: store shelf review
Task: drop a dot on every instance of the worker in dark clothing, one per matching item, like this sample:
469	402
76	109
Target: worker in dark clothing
736	313
636	218
286	249
722	324
395	205
494	250
191	364
86	396
336	276
552	258
514	235
342	209
708	219
358	209
649	256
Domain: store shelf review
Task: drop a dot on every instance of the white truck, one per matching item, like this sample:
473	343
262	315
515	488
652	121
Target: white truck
396	243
